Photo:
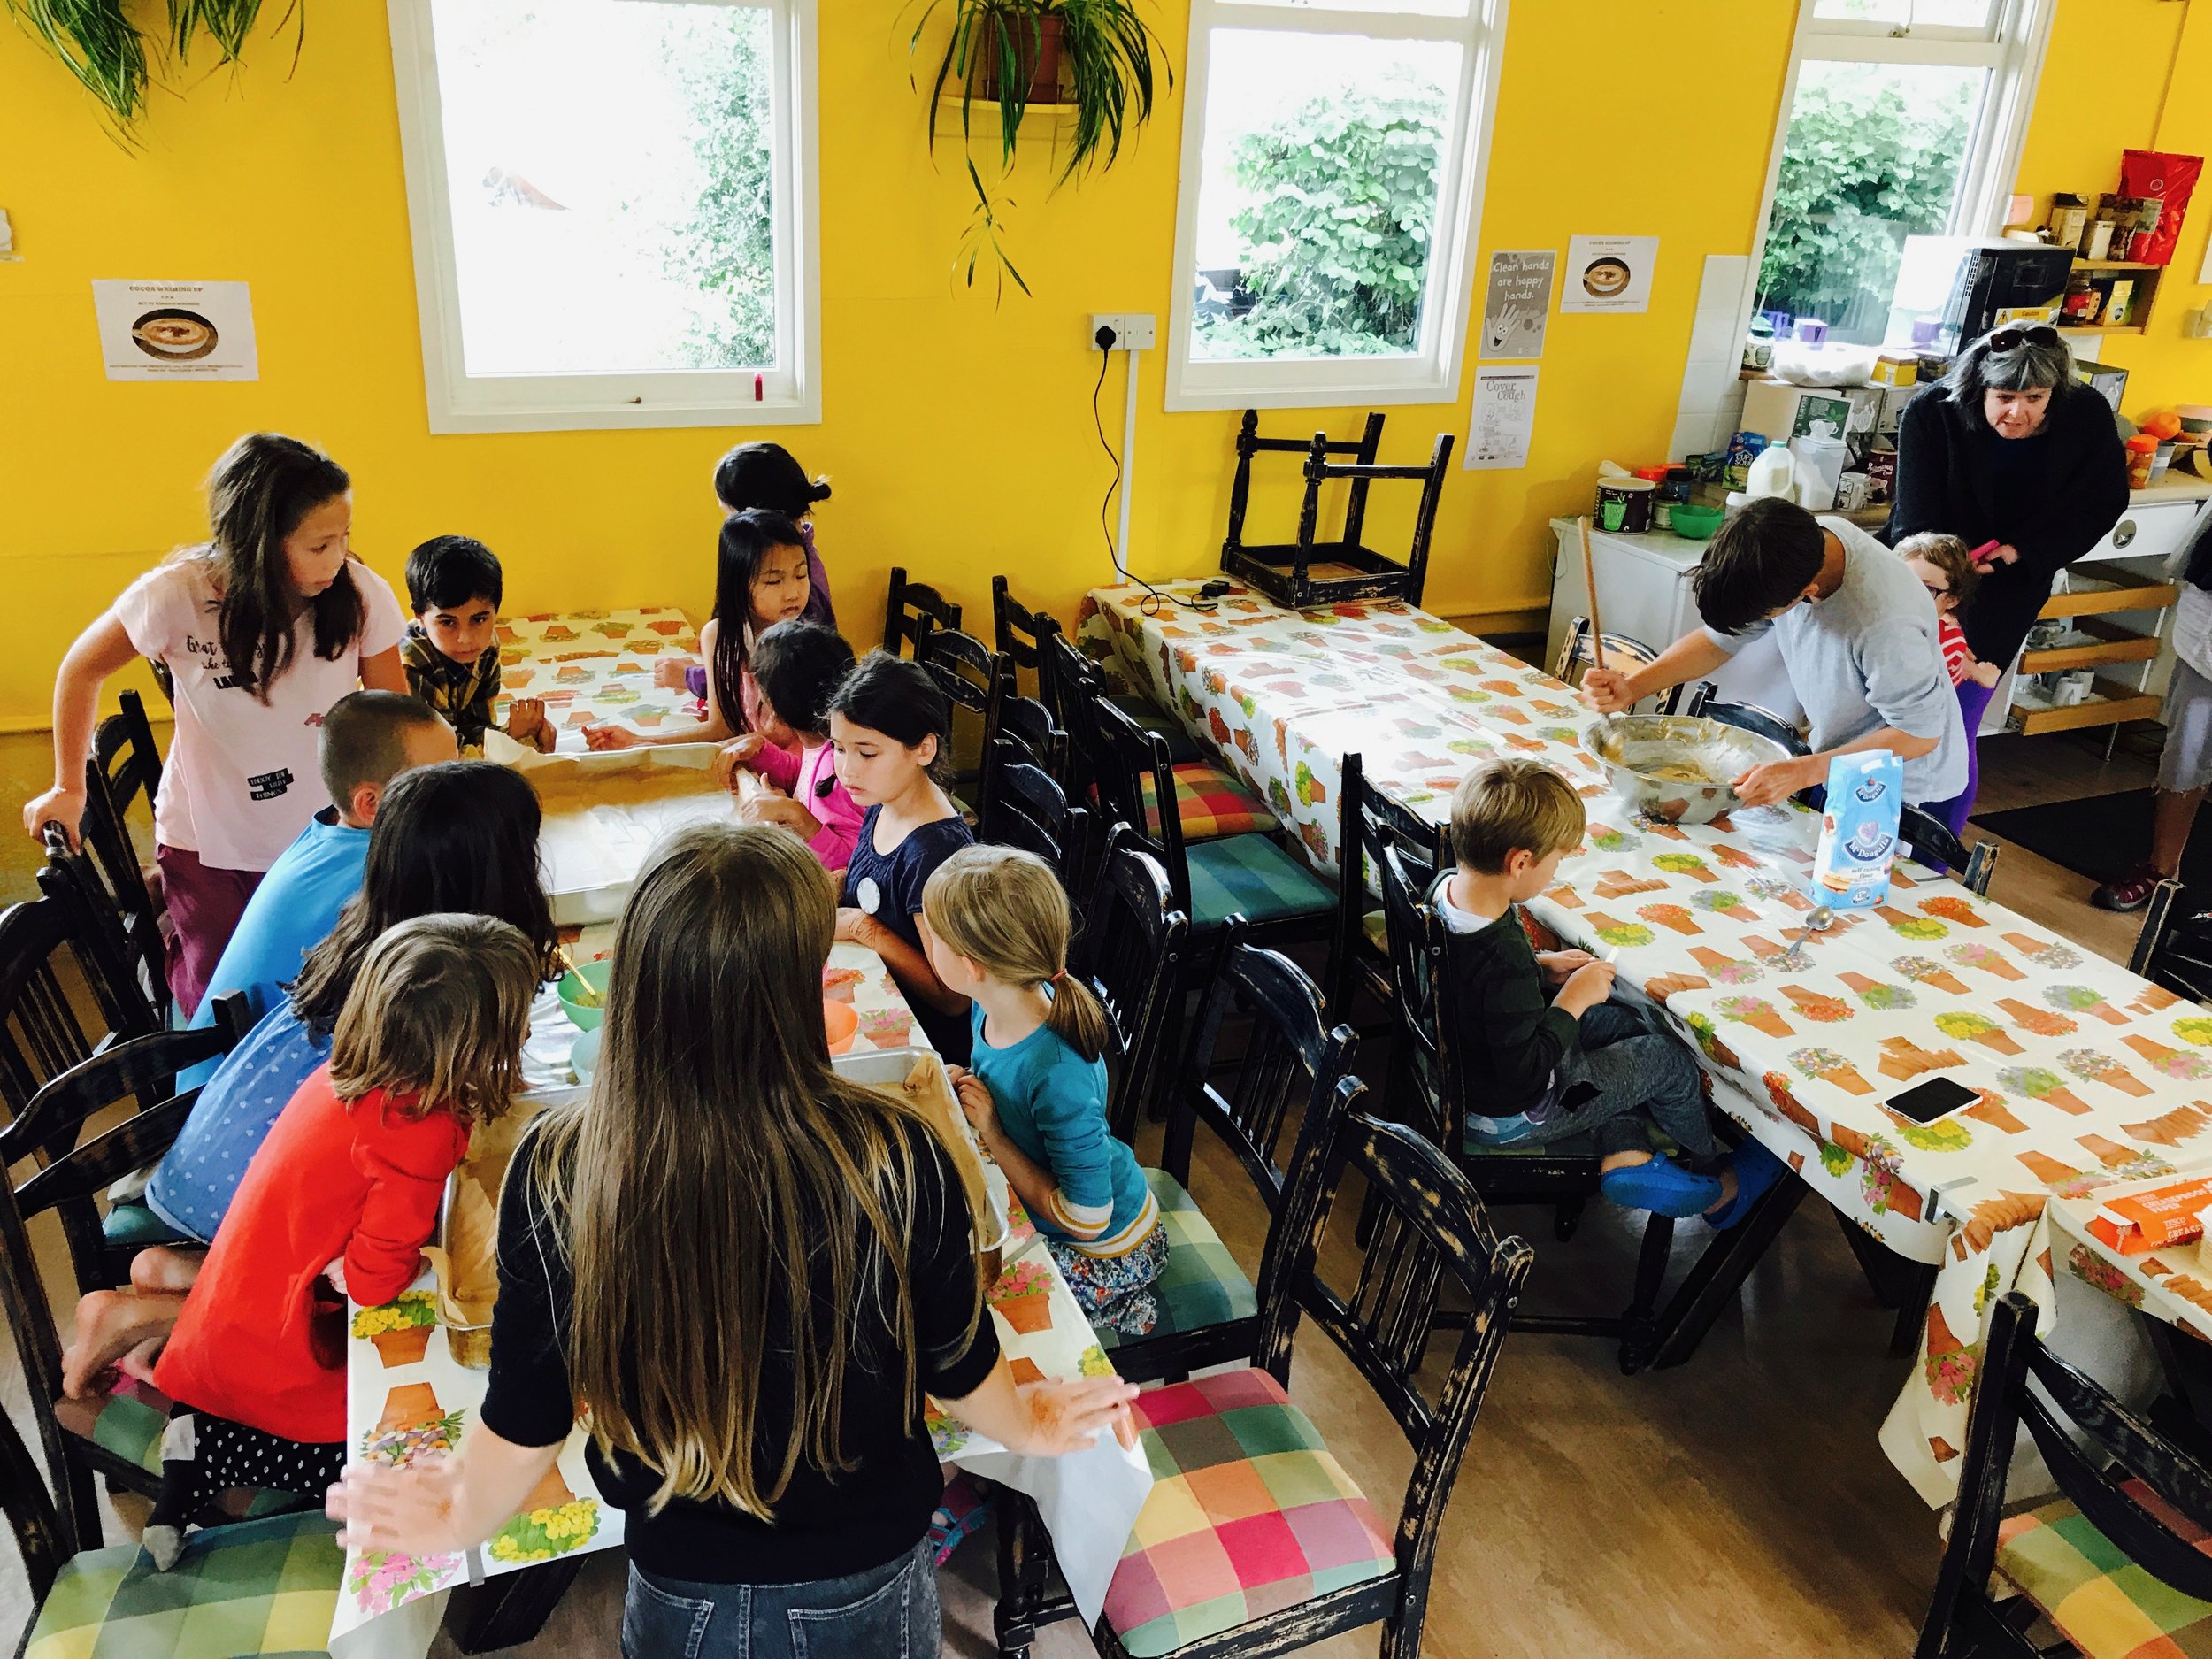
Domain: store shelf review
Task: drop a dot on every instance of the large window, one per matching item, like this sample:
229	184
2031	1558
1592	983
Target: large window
1904	118
1332	174
612	204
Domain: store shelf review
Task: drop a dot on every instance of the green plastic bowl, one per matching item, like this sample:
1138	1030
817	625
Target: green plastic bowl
583	1059
592	974
1697	523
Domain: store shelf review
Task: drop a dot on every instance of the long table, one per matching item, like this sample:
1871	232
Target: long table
2086	1073
407	1395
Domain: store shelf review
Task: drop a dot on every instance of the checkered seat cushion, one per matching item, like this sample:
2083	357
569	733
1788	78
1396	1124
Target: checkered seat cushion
262	1587
1211	803
2101	1601
127	1423
1201	1284
1251	877
1249	1515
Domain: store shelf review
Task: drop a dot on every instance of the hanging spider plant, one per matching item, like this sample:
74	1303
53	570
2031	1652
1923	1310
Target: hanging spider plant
98	43
1089	59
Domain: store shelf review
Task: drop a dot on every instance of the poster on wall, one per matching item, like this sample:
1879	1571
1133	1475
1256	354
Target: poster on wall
176	331
1504	416
1609	273
1519	300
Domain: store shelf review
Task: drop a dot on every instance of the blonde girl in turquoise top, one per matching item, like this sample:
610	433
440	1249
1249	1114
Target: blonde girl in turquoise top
997	930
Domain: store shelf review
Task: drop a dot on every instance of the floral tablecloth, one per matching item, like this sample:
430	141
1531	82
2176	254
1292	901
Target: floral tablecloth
594	666
2086	1075
406	1394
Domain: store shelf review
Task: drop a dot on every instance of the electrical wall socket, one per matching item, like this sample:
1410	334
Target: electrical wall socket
1133	330
2197	325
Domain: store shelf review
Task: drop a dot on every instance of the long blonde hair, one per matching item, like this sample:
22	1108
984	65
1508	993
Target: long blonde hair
1005	910
719	1167
440	1007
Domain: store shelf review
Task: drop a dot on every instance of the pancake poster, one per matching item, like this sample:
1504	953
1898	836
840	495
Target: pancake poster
1609	273
176	331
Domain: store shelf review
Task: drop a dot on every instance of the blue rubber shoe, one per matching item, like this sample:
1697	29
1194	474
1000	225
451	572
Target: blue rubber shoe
1661	1188
1756	1171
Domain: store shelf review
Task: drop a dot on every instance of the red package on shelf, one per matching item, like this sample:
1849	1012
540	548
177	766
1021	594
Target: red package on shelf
2171	178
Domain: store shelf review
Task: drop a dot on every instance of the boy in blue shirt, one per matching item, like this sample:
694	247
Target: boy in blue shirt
367	739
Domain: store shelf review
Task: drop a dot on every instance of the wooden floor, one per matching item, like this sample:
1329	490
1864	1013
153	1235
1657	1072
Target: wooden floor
1737	1505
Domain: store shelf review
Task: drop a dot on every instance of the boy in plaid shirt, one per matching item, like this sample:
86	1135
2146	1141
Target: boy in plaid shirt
451	649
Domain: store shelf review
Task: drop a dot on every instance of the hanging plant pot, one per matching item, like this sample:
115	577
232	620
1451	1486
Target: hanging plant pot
1035	42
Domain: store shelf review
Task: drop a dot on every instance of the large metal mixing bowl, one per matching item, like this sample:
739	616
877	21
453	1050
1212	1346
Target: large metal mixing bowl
1651	760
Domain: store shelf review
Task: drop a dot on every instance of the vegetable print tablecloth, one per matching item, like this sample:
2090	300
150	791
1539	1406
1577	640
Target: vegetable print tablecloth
407	1395
2086	1075
594	666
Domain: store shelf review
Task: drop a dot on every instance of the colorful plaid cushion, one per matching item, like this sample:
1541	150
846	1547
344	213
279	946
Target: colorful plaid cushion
1203	1284
128	1422
1251	877
1213	803
1181	746
1249	1515
2101	1601
263	1587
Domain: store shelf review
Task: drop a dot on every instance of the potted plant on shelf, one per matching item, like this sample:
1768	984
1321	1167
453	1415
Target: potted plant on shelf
1086	61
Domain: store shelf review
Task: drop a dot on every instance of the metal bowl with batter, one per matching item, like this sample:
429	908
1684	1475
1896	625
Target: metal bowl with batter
1673	767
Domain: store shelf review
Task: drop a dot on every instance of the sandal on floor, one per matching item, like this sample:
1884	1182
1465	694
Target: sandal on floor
1756	1171
1660	1187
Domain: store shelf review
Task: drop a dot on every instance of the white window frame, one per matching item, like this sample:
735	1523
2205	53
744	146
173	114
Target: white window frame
1429	374
2011	46
791	393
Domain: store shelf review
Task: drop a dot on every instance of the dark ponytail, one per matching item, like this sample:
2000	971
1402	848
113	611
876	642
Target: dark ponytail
766	475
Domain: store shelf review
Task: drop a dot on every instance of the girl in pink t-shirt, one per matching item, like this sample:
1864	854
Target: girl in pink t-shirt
262	629
798	667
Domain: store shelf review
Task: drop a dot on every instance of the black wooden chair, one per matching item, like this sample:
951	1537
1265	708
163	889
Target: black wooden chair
56	1006
2174	949
1289	1062
969	672
117	1435
1429	1081
2111	1561
1130	953
1250	875
123	983
1930	844
254	1587
1578	653
1024	807
1370	822
1028	724
1379	1304
124	770
1065	678
1017	632
1746	716
911	609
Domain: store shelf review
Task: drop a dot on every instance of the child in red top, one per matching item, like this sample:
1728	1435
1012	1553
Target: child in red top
1948	572
340	1199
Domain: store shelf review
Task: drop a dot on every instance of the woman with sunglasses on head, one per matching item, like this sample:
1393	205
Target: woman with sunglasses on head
2010	453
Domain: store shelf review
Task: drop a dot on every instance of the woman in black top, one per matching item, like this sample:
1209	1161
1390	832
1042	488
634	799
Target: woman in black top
2008	448
750	1271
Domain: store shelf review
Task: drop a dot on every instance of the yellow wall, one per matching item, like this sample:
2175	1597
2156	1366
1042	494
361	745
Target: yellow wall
2105	88
959	435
